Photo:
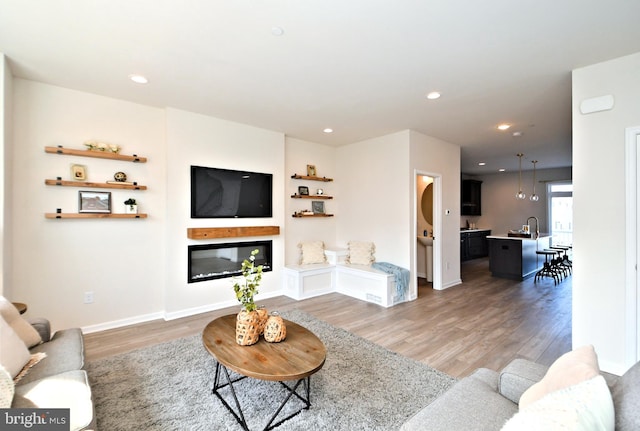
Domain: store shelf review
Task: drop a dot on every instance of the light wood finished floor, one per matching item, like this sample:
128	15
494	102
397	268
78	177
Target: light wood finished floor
484	322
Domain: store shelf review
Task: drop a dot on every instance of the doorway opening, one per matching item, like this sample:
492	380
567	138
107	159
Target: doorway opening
427	251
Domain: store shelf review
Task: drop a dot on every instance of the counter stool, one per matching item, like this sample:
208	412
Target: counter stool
565	256
556	263
547	270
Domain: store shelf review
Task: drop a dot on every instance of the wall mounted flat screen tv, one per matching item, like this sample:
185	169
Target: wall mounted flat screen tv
225	193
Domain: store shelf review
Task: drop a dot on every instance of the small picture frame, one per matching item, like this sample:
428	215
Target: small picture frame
317	207
94	202
79	172
311	170
303	190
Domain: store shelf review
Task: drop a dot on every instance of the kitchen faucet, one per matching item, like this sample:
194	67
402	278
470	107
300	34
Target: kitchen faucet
537	228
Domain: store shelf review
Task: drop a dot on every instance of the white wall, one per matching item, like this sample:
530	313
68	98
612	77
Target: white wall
56	261
299	154
502	211
376	196
194	139
6	93
599	308
439	159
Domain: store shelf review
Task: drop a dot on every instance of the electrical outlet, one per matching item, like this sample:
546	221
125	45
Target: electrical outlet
88	297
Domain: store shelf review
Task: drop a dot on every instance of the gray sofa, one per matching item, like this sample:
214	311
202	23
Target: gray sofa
486	400
58	380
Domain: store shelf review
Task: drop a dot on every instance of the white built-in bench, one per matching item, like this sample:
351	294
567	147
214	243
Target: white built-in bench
358	281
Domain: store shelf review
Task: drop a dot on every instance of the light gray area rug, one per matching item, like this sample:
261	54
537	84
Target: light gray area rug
362	386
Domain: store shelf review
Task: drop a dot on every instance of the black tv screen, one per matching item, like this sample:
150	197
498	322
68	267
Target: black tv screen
225	193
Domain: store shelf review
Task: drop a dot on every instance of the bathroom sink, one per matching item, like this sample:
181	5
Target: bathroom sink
425	240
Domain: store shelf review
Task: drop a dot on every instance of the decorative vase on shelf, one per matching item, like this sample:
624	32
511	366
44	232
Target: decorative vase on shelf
275	330
249	322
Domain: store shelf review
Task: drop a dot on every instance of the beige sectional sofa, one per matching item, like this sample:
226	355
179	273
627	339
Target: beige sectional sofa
571	394
54	375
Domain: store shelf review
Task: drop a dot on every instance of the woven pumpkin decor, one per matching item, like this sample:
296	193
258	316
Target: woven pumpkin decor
247	328
275	330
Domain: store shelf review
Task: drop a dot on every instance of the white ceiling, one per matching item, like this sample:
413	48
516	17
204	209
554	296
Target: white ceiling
361	67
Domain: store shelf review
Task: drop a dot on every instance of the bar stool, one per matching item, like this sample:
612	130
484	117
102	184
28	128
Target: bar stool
556	263
565	256
547	270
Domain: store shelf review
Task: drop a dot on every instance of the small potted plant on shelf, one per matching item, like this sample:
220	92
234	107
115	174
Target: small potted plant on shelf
130	206
250	321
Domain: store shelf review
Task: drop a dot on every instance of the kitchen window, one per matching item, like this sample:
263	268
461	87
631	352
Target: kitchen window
560	204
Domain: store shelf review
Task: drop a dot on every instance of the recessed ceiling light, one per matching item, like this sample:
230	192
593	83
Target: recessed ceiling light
501	170
504	126
481	164
277	31
138	79
517	134
433	95
328	130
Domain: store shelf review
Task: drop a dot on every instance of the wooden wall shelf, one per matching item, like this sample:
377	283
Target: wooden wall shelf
96	154
297	196
66	183
231	232
311	215
92	215
306	177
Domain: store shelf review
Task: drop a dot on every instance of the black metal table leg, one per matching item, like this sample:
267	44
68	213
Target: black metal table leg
238	414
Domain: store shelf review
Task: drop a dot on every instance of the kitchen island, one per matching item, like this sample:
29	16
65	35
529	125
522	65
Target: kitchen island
514	257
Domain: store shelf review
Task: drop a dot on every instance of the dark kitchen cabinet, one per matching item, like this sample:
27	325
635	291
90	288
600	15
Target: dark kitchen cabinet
471	198
474	244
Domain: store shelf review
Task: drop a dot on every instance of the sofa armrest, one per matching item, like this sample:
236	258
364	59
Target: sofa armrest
42	326
519	376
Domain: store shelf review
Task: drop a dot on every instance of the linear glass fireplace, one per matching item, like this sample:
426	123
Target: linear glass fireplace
211	261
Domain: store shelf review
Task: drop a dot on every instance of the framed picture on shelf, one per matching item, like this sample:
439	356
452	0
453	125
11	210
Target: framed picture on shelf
94	202
303	190
311	170
317	207
79	172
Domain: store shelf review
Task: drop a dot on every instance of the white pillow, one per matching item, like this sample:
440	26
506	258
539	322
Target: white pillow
312	252
569	369
12	316
361	253
586	406
14	355
7	388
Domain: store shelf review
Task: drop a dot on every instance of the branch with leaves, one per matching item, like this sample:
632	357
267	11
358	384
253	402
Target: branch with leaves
247	287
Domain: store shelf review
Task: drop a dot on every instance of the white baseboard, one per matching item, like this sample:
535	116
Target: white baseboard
122	322
170	315
451	284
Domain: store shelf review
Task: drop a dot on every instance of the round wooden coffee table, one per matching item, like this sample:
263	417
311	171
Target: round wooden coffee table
296	358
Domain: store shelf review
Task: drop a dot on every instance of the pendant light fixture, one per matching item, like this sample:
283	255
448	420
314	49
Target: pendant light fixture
520	194
534	197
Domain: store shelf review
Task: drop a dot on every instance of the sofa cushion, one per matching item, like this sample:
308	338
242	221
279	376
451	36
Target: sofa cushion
25	331
14	355
66	390
361	253
585	406
569	369
65	352
518	376
312	252
7	387
472	403
626	399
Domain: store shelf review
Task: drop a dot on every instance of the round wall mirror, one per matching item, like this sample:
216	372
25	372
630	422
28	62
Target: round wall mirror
427	204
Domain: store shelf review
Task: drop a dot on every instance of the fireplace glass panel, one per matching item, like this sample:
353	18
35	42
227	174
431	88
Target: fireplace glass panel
212	261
